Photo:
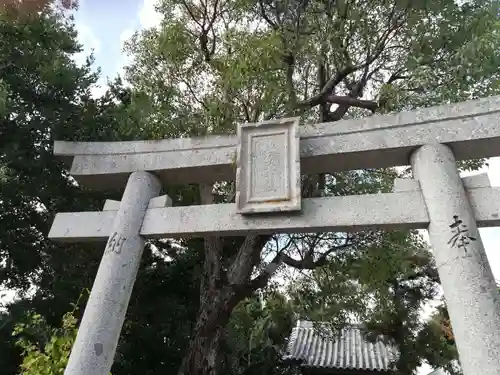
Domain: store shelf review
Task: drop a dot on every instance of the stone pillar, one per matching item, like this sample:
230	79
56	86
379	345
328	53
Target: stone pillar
97	339
468	283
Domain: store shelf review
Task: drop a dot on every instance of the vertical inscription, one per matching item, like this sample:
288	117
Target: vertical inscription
269	176
460	234
268	167
115	243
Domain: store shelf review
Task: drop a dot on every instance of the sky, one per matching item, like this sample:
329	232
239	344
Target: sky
103	26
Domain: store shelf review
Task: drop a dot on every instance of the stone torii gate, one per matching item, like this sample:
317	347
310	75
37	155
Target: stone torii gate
267	159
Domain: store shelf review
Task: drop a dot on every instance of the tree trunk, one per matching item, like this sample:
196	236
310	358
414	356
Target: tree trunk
221	289
202	356
217	301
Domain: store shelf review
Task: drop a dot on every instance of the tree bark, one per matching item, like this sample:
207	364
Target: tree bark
220	291
202	356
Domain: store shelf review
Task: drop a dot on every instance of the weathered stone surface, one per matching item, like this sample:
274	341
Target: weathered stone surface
471	129
348	213
95	344
268	167
469	287
438	200
405	184
82	226
156	202
480	180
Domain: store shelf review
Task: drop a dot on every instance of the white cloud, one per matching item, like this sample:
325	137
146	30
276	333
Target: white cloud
125	35
8	296
125	59
494	171
99	89
91	44
148	16
89	41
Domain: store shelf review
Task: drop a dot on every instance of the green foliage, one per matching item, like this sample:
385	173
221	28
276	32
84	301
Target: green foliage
201	73
161	313
257	334
10	354
45	350
383	285
422	55
439	348
44	96
206	68
4	93
53	357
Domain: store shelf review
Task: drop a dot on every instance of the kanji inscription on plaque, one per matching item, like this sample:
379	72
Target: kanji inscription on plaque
268	167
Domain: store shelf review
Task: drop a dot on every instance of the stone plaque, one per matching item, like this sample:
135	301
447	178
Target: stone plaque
268	167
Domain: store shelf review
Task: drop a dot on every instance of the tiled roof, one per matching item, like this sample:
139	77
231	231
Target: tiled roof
349	350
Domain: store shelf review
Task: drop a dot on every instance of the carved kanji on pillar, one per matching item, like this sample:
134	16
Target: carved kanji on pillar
269	158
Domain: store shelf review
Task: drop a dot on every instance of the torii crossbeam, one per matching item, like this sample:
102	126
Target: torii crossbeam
266	160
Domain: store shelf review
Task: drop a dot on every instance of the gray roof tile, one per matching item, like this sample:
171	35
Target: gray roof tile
350	350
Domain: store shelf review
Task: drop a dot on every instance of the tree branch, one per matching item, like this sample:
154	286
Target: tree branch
327	88
266	17
247	257
269	270
214	16
264	277
352	102
190	12
202	103
290	66
396	76
308	263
